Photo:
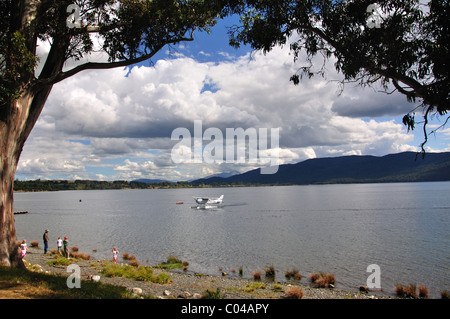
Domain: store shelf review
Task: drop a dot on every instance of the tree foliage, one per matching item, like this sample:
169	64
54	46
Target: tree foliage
126	31
407	48
130	31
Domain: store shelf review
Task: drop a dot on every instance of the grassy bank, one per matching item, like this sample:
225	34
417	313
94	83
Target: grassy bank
47	278
25	284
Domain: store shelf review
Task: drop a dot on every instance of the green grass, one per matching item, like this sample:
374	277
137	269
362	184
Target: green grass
50	286
60	261
172	263
252	286
141	273
212	294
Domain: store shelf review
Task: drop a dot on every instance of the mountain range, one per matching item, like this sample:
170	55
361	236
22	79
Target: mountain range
400	167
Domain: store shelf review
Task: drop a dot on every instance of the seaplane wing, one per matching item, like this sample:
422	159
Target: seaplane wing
208	200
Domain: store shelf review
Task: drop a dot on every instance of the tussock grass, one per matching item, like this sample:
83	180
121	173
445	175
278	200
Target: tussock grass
411	291
270	272
406	291
294	293
293	274
212	294
77	255
127	256
256	275
322	280
277	287
252	286
173	263
140	273
59	261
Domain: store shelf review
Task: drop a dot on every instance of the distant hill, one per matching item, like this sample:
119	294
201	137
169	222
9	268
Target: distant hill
150	181
401	167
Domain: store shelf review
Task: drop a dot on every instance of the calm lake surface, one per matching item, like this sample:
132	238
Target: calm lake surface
403	228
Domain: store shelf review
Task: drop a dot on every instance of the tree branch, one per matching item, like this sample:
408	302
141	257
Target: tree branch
104	65
416	86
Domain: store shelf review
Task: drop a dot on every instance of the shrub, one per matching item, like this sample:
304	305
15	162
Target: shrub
293	274
423	292
34	244
256	275
406	291
173	263
445	294
134	263
74	248
313	277
270	272
173	260
210	294
127	256
322	280
294	293
410	291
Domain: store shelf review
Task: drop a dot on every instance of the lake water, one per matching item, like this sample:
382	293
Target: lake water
341	229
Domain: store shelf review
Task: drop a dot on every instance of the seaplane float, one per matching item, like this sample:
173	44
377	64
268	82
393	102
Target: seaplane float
208	202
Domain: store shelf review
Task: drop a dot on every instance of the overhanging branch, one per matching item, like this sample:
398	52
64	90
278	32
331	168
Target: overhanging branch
105	65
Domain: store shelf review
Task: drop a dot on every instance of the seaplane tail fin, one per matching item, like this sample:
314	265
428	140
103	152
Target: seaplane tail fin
221	197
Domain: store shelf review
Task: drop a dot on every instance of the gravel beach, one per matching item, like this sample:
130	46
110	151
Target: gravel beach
189	285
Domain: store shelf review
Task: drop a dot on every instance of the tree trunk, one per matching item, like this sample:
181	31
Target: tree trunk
16	122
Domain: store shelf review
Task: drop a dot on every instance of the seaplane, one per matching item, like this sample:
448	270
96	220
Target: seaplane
208	202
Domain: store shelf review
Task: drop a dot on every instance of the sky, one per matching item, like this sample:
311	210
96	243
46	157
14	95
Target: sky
117	124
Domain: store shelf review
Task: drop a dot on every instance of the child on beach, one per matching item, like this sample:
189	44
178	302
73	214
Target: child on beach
115	254
23	248
66	247
59	244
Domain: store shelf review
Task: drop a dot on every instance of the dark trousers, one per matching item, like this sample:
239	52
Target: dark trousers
45	246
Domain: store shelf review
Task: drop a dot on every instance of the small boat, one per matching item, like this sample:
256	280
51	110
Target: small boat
179	203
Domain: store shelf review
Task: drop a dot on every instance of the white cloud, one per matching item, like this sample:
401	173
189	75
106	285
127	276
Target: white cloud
124	118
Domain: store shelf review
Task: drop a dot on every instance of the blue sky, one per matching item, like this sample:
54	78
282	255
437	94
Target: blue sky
117	124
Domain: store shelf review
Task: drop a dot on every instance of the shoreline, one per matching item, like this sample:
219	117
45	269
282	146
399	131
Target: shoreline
188	285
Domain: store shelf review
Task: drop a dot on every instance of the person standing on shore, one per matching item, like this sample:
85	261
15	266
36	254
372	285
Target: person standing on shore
23	248
115	254
66	247
45	237
59	244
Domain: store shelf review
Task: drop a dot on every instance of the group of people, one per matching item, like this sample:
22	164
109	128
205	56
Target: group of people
63	247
